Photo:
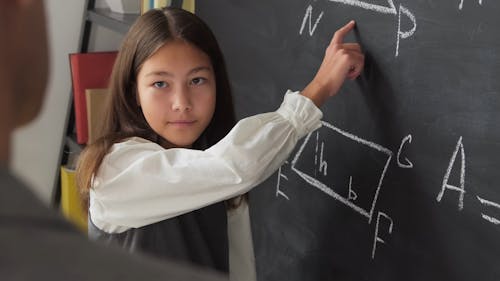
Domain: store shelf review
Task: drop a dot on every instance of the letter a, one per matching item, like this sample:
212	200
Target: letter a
445	185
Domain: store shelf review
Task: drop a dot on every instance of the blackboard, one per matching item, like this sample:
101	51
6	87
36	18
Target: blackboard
403	180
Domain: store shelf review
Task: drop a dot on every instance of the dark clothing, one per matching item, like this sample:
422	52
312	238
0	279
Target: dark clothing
198	237
36	243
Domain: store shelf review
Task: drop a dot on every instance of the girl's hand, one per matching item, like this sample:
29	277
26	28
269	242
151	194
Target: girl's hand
342	61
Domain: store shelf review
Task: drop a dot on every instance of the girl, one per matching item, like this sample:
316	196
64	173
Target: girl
167	160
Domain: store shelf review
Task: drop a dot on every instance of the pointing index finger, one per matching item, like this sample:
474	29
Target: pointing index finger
339	35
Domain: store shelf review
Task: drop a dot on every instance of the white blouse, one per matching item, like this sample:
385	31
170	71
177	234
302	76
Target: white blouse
141	183
241	254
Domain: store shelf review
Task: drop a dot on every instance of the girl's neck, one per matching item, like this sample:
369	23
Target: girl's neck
167	145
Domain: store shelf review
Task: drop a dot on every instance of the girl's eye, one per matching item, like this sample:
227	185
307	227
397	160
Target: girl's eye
160	84
198	80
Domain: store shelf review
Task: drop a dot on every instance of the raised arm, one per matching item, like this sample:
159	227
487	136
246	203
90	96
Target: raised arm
342	61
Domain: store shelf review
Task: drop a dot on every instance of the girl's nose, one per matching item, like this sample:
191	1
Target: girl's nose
181	100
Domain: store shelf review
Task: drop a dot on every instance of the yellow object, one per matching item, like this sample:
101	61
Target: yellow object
146	5
71	206
188	5
161	3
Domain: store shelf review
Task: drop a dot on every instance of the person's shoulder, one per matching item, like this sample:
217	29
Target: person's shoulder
17	199
66	256
45	251
38	244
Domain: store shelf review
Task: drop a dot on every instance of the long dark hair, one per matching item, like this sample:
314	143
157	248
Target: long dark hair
123	117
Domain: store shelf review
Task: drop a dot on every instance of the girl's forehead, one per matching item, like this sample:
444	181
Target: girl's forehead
176	56
179	47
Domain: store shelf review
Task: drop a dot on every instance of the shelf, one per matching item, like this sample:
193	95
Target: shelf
93	17
114	21
74	146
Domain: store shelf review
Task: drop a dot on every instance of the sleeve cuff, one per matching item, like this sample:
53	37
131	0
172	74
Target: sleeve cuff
301	112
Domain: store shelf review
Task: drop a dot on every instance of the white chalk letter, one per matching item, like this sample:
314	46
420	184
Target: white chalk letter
405	34
307	16
377	238
278	190
445	185
408	164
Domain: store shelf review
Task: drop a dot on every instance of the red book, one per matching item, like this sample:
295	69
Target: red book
88	71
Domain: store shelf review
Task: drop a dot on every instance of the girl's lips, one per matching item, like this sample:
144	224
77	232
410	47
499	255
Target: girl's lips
182	122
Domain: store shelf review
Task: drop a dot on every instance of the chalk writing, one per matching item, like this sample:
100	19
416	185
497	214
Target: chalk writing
461	188
352	197
445	184
352	194
281	176
408	164
391	10
366	211
489	204
461	4
308	16
377	238
405	34
323	165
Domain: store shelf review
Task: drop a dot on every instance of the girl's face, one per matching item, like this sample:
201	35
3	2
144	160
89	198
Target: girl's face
176	91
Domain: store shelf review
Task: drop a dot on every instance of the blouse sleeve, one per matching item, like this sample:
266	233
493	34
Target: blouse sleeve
140	183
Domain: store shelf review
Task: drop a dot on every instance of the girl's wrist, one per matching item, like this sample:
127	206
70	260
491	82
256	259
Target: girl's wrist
316	93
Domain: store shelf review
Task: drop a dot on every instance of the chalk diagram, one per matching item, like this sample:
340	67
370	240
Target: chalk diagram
346	189
351	197
360	192
389	9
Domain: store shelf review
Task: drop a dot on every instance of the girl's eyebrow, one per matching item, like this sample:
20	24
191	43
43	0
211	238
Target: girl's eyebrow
166	73
200	68
159	73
